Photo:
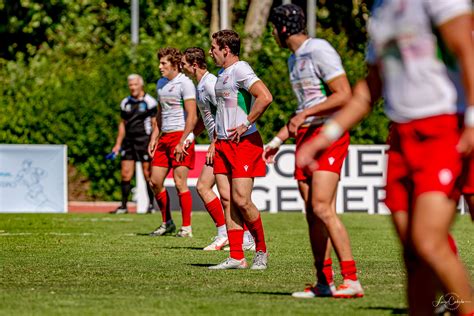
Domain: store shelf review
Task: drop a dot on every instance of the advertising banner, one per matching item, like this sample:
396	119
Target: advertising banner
33	178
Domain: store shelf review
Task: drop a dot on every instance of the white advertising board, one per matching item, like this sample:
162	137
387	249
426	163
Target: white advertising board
33	178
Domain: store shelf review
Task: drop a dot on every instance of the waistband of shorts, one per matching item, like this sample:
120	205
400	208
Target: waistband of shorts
171	132
228	139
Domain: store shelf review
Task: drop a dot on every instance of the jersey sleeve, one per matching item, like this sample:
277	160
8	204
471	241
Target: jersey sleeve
152	105
442	11
122	108
328	62
371	56
245	76
188	89
211	91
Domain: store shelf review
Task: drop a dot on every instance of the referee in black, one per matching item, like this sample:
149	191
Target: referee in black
138	117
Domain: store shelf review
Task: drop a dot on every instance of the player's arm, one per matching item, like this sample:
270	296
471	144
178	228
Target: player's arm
457	34
263	98
191	120
365	94
120	137
155	134
341	94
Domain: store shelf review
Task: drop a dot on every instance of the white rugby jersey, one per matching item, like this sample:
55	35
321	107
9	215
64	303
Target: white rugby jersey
313	64
171	96
206	101
416	83
234	102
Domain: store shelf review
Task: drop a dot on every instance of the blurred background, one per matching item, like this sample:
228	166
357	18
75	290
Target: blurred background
64	67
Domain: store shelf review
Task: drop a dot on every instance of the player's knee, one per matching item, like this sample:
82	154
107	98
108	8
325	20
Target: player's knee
323	211
202	189
425	246
242	202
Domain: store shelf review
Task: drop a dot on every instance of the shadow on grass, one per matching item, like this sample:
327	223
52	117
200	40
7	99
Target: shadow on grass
394	310
181	247
265	293
205	265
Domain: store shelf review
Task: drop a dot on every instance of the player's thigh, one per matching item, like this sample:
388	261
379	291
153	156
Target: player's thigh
158	175
324	187
206	179
180	176
241	190
127	169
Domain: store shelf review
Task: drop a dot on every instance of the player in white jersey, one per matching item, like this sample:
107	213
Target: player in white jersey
176	118
194	65
426	147
321	87
241	99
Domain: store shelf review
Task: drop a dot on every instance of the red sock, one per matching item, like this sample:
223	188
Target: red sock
349	270
452	244
163	200
236	238
186	203
256	229
324	271
214	208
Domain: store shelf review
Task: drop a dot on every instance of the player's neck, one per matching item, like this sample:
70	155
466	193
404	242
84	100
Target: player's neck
172	75
230	60
295	41
200	73
139	95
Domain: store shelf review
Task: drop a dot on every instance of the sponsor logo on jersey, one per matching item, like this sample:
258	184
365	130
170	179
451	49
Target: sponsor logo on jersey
128	107
225	79
142	107
246	167
445	176
171	89
302	64
331	160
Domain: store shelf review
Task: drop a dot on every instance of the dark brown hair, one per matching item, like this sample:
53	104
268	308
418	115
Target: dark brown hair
196	55
174	56
228	38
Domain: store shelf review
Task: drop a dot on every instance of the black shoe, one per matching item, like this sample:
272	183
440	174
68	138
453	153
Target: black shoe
151	209
119	210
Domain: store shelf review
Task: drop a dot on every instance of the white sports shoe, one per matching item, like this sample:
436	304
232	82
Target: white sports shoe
230	263
318	290
349	289
260	261
217	244
185	232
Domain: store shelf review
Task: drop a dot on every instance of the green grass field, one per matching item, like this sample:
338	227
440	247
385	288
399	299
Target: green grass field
85	264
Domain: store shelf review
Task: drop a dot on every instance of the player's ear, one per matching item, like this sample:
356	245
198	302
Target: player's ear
283	29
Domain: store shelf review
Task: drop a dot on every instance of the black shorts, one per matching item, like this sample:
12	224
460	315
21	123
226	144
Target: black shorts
136	148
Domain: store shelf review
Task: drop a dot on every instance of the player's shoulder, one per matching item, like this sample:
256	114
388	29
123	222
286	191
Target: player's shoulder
124	102
149	99
210	81
161	82
319	45
242	64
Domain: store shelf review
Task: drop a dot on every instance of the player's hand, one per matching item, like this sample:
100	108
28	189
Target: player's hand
295	122
308	151
116	149
179	152
466	142
237	132
269	154
210	153
188	141
152	147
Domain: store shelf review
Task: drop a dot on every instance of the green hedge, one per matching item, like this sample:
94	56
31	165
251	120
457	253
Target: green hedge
68	90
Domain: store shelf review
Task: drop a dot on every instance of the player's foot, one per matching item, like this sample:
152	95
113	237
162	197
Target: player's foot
318	290
119	210
230	263
260	261
185	232
217	244
151	209
164	229
349	289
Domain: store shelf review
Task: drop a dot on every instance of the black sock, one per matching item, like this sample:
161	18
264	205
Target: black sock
151	195
126	188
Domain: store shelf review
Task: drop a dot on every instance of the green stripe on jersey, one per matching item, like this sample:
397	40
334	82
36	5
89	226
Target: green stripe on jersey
182	103
244	100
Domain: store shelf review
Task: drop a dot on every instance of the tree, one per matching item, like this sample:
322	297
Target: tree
255	24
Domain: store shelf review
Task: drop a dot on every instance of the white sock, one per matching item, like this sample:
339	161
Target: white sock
188	228
222	231
248	239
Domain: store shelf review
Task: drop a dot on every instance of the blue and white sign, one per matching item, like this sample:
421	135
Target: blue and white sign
33	179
